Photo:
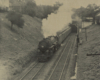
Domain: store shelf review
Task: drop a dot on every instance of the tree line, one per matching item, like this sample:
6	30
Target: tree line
31	9
90	11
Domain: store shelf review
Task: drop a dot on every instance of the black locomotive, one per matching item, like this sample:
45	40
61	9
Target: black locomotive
47	47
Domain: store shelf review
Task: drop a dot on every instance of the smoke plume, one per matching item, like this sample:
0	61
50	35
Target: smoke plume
56	22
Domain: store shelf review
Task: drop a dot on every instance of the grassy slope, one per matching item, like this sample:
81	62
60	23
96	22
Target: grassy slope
18	46
89	66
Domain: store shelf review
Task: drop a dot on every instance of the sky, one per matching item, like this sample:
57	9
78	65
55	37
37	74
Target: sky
57	22
4	3
73	3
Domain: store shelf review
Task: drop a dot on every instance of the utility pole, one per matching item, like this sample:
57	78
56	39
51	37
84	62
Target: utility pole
85	29
86	33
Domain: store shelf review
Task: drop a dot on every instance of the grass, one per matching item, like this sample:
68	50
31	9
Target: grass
18	46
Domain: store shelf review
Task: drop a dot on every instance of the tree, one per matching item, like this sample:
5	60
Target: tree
44	10
15	18
39	11
80	12
30	8
57	5
92	11
47	10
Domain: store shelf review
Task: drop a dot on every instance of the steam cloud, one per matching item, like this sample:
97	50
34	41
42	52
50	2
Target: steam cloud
56	22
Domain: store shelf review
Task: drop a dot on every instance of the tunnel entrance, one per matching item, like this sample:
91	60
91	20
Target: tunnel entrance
74	28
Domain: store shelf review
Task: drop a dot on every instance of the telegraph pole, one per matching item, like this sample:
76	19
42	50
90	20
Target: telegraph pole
85	30
86	33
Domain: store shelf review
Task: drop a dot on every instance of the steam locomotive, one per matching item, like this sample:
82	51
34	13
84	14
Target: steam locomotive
48	46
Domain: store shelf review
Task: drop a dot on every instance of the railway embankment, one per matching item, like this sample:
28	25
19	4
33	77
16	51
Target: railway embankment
18	46
88	67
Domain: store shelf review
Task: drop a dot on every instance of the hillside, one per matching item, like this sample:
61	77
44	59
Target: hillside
89	66
18	46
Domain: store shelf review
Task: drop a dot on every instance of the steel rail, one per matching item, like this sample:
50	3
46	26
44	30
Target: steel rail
37	72
29	71
66	61
58	60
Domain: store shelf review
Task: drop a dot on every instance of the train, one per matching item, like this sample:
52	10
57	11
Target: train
48	46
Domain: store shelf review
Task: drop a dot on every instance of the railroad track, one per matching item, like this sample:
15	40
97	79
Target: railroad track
59	70
36	70
39	76
33	71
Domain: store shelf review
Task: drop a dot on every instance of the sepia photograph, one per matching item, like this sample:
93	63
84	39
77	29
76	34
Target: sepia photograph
49	39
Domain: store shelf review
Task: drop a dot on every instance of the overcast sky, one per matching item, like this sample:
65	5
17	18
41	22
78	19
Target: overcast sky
73	3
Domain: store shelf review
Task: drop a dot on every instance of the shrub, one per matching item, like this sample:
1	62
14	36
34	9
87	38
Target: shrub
44	10
15	18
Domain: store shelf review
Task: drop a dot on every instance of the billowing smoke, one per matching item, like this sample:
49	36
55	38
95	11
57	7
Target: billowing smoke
56	22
